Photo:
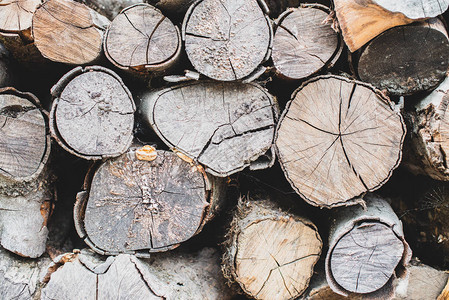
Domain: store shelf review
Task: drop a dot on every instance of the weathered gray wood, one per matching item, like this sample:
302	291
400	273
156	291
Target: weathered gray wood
367	249
338	138
415	9
227	40
142	39
224	126
92	114
110	8
304	43
392	62
270	253
141	206
181	276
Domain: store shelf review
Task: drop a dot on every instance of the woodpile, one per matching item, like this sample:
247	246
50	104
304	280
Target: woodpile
224	149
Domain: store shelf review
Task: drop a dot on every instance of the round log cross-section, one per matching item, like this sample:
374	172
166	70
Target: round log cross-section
141	206
141	38
337	139
16	16
227	40
92	114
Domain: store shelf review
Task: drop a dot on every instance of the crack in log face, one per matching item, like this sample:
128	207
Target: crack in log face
16	15
141	37
144	205
225	39
338	139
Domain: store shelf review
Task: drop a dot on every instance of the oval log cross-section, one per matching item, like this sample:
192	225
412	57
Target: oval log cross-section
92	114
141	205
16	16
224	126
337	139
141	38
227	40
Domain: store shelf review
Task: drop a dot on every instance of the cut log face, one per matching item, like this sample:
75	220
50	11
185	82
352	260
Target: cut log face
227	40
271	254
224	126
139	205
92	114
390	62
68	32
367	250
337	139
303	43
16	16
141	38
415	9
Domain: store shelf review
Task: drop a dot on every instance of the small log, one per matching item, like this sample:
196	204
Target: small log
227	40
270	253
92	115
68	32
361	21
337	139
367	249
145	204
182	276
304	43
142	39
224	126
390	61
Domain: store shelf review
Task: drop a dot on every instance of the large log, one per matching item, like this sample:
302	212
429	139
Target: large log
304	43
141	39
367	249
391	61
139	203
25	186
227	40
337	139
68	32
171	276
92	114
361	21
270	252
224	126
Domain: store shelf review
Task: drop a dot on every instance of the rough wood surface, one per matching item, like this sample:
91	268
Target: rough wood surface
68	32
174	9
392	62
16	16
140	38
224	126
270	253
92	114
367	249
110	8
141	206
337	139
361	21
227	40
304	42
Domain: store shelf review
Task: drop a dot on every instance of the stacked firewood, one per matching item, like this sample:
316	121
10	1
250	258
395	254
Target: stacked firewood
217	149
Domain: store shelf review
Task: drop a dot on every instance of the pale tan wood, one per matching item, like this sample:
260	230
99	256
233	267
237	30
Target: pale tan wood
16	15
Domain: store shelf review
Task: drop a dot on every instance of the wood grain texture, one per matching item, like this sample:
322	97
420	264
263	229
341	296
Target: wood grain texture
367	249
92	114
68	32
16	15
227	40
141	206
415	9
338	138
142	39
224	126
110	8
270	253
304	43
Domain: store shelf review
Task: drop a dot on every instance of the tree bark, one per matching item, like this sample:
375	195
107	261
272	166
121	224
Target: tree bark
304	43
138	206
270	253
224	126
92	114
337	139
68	32
227	41
389	62
361	21
367	249
141	39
